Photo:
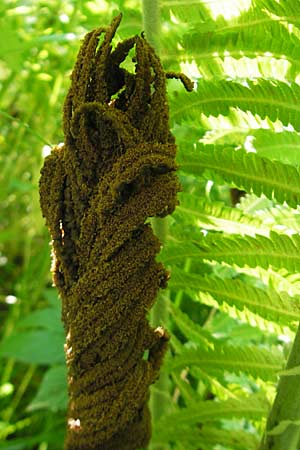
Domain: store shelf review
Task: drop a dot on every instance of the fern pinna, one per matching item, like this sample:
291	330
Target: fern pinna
115	170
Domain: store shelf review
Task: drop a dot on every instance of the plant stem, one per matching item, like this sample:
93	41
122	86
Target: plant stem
159	313
19	394
151	22
286	407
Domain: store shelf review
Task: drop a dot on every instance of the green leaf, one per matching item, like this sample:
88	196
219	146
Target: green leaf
249	35
279	250
12	46
246	171
268	303
187	10
189	328
254	361
18	444
34	347
280	218
48	318
216	216
252	407
283	146
52	393
272	99
207	437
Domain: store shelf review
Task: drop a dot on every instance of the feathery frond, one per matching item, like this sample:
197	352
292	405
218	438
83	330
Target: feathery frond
268	303
279	250
267	98
246	170
253	406
257	362
216	216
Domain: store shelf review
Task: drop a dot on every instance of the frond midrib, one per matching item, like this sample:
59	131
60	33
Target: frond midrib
239	99
240	299
229	362
215	254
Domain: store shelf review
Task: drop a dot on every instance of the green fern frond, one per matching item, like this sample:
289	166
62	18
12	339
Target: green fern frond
186	391
245	316
279	218
251	34
216	385
189	328
216	216
272	99
254	361
267	303
287	11
252	407
207	437
281	145
187	11
284	146
231	137
247	171
233	129
279	250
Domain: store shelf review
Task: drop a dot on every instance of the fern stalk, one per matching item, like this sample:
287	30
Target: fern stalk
159	313
151	22
283	425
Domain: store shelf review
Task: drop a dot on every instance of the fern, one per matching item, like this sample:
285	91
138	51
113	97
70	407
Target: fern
288	11
278	145
247	171
258	363
210	411
216	216
241	38
268	303
243	261
208	436
189	328
279	250
273	99
284	146
184	11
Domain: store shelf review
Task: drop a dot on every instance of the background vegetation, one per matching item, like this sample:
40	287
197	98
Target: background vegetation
233	300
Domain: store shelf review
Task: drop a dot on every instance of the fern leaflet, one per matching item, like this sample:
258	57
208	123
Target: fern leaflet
254	361
246	171
268	303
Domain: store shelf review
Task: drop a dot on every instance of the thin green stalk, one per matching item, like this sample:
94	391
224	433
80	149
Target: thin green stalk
151	22
159	313
7	371
26	126
285	413
19	393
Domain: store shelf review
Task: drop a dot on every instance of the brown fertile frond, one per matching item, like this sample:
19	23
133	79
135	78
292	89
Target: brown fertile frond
116	169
